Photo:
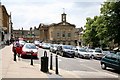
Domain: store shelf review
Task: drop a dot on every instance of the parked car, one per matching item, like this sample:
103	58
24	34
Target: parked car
22	43
36	43
45	45
83	53
118	53
29	48
97	53
106	52
65	50
53	48
111	60
40	45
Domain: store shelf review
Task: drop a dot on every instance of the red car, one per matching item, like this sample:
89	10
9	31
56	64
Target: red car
28	49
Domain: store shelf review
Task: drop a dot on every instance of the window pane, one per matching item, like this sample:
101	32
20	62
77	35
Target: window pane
69	35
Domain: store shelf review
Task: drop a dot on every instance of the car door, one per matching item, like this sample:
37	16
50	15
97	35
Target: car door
107	60
114	61
118	61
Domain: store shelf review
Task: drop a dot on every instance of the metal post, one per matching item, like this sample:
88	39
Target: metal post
31	57
56	64
51	66
15	55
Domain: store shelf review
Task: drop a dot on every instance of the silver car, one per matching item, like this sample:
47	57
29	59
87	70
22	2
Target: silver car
83	53
97	53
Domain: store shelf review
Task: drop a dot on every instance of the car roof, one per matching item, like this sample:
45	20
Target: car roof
29	44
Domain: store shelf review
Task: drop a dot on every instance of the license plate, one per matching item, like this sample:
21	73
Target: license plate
28	54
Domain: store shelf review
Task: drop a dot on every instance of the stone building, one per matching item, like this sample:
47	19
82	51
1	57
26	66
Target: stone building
59	33
31	35
5	24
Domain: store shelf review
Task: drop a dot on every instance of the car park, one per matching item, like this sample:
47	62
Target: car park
65	50
111	60
28	49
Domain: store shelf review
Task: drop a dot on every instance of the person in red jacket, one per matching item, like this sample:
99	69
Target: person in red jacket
17	47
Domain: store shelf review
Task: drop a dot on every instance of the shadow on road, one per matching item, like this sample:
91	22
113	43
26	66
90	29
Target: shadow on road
114	71
29	57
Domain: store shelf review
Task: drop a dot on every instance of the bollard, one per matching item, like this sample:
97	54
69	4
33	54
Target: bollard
15	55
31	57
44	62
51	66
56	64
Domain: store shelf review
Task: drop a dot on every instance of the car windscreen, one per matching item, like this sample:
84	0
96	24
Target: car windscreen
67	47
36	42
30	46
82	50
22	42
118	53
98	50
106	52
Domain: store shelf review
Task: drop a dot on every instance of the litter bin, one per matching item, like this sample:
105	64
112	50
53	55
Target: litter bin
44	62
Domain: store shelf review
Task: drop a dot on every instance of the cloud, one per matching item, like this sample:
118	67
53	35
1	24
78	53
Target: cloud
33	12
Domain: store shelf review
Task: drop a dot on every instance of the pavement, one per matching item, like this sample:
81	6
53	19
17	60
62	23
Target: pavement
21	69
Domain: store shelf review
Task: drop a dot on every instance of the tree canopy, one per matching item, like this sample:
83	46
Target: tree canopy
104	29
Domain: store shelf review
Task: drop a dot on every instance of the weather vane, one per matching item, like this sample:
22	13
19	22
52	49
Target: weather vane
63	10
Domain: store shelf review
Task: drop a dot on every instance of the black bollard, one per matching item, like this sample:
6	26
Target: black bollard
15	55
56	64
51	66
31	57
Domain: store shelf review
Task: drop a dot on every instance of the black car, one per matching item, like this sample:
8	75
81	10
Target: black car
65	50
111	60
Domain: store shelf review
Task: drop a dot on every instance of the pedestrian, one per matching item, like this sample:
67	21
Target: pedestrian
15	53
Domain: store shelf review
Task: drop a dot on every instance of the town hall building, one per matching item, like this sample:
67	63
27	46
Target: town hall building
59	33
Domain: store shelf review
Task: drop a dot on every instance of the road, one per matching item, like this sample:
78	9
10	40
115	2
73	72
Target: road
88	68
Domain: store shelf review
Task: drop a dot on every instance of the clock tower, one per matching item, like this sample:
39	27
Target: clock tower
63	17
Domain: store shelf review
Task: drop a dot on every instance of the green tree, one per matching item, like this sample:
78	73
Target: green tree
111	13
90	33
104	28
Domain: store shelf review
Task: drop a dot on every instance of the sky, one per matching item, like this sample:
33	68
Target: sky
30	13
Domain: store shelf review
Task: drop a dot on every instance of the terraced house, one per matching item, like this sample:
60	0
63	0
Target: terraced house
5	24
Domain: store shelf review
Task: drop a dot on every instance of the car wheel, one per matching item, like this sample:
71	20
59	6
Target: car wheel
103	66
92	57
62	54
78	55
